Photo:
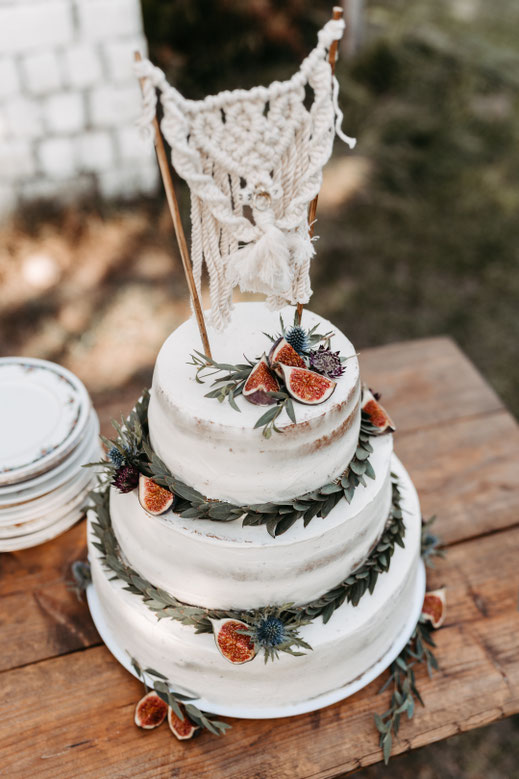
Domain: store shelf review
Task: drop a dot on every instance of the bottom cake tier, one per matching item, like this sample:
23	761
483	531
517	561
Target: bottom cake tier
354	642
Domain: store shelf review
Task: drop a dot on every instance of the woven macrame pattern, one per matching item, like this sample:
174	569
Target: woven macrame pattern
253	161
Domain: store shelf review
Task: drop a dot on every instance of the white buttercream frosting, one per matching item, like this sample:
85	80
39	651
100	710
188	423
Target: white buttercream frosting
223	565
216	450
350	643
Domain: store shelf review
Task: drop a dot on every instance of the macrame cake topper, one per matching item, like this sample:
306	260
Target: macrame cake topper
253	161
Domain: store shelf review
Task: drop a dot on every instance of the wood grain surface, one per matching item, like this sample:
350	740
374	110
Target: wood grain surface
66	707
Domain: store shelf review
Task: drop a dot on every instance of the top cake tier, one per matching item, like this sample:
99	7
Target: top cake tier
216	450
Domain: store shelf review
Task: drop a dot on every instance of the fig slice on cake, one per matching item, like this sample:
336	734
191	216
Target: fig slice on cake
307	386
434	608
261	381
282	353
153	498
377	414
151	711
232	642
181	728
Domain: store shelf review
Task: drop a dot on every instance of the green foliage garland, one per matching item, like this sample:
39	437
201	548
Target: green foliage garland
401	671
403	681
293	617
133	444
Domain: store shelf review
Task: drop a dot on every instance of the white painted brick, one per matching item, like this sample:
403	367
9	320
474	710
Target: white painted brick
132	147
119	57
9	81
64	112
103	19
41	72
7	200
57	158
41	189
95	151
111	106
128	182
45	189
82	65
148	179
3	125
16	160
24	28
23	118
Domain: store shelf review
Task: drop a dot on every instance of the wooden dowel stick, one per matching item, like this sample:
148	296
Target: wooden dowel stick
312	210
177	224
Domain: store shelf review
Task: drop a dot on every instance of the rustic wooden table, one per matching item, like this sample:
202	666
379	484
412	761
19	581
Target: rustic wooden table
67	706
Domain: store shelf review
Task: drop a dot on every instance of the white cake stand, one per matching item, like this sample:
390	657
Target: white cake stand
320	701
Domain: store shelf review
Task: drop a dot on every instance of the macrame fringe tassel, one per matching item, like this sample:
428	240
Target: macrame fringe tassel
262	266
270	265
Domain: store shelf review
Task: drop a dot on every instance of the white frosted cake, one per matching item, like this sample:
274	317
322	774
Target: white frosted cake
159	579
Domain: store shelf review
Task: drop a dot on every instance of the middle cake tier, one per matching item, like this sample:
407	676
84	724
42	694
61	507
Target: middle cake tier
222	565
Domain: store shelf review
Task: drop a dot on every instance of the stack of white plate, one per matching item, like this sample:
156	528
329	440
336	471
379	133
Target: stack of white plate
48	431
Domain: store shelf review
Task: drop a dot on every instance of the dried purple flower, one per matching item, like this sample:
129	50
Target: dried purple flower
326	362
126	478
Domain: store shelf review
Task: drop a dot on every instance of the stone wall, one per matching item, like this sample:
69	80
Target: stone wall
69	100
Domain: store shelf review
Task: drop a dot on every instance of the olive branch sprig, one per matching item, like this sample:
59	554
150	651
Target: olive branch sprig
403	681
401	671
228	386
231	385
177	700
430	544
268	420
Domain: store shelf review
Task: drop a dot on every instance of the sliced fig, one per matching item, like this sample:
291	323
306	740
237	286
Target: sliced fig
261	381
232	643
282	353
434	607
377	414
151	711
307	386
153	498
181	728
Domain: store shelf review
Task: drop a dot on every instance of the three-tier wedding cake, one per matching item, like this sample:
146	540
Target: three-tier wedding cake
256	547
240	572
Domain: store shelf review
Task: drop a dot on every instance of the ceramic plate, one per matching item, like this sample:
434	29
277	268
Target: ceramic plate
87	451
35	500
43	412
29	528
41	536
54	501
39	485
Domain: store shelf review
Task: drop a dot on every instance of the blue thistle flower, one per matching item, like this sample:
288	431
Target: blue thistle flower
116	457
270	632
297	337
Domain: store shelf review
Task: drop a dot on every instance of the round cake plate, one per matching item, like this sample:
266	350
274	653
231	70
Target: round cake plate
32	489
291	710
43	411
42	536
